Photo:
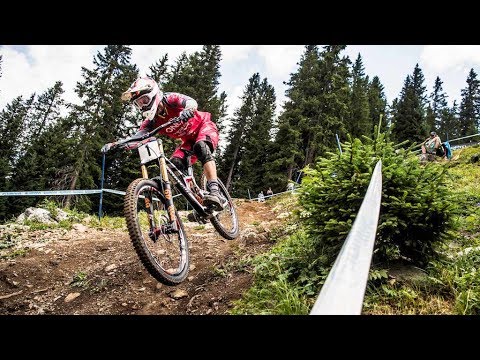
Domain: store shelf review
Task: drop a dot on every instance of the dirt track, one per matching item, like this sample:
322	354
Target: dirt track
96	271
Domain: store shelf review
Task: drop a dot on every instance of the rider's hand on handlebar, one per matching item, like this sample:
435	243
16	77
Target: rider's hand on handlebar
186	114
107	147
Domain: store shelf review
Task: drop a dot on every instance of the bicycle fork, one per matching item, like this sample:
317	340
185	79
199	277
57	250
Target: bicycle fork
167	191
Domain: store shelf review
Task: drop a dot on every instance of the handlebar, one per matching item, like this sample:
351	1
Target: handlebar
145	136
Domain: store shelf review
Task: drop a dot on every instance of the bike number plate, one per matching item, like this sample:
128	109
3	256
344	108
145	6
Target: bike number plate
149	151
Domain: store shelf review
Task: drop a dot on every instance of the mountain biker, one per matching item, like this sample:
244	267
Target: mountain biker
196	130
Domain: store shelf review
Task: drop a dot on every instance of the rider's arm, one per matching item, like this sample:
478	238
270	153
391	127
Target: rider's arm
145	127
178	100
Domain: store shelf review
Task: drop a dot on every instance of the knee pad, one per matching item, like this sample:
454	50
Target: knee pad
203	151
179	163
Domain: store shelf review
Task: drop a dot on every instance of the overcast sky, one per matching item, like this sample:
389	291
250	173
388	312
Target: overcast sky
34	68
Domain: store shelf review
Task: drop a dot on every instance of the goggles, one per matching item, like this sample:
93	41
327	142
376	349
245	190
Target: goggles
142	101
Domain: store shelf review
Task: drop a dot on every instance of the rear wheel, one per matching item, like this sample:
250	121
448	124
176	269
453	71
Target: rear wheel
162	250
225	221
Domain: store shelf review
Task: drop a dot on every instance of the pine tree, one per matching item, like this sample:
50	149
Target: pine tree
377	104
409	119
451	125
436	109
197	76
359	122
334	99
317	109
256	145
12	123
34	156
296	129
102	117
236	136
469	114
159	70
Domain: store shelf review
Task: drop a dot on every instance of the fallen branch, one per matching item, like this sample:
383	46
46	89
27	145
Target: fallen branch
10	295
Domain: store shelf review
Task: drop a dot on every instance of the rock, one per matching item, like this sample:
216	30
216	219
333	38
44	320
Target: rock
248	237
72	296
209	311
263	228
36	214
158	286
407	273
192	267
178	294
60	215
283	215
110	267
467	250
54	262
80	227
190	278
88	220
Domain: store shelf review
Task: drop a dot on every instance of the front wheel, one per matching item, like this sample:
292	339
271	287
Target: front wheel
225	221
162	250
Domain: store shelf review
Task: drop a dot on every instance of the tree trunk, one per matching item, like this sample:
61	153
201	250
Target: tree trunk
230	172
72	187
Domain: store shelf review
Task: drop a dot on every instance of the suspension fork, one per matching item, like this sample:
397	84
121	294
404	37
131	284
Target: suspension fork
148	202
167	189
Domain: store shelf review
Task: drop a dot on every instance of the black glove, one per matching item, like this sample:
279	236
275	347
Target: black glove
140	133
186	114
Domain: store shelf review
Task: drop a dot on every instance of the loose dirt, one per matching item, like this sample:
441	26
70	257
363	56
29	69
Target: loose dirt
96	270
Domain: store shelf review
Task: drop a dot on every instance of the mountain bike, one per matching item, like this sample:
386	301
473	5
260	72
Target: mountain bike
154	225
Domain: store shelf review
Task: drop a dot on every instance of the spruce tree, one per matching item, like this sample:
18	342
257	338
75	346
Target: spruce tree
159	70
102	117
196	76
296	131
12	123
469	113
359	122
34	156
436	109
317	109
256	145
236	137
334	100
451	124
377	104
409	117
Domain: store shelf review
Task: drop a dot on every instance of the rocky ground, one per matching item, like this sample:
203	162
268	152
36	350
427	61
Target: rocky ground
91	270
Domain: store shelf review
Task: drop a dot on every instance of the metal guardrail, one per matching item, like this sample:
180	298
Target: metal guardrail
49	192
344	288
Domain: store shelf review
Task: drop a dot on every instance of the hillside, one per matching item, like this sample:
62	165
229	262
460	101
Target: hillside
450	284
93	269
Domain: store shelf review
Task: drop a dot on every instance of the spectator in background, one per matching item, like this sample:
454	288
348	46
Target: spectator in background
269	192
432	146
261	197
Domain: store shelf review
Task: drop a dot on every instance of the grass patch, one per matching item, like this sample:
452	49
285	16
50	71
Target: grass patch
80	279
15	253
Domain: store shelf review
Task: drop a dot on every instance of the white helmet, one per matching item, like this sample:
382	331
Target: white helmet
145	95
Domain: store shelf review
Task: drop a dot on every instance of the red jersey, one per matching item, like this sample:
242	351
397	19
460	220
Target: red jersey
174	103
